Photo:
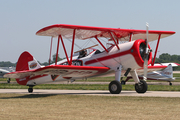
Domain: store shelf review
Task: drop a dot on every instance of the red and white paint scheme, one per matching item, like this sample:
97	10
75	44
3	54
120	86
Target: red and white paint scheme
132	54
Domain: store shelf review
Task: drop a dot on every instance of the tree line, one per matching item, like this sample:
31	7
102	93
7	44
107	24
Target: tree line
163	58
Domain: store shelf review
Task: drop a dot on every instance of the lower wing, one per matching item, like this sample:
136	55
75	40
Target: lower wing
63	70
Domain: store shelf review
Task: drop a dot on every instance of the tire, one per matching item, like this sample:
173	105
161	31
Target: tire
30	90
170	83
141	87
115	87
9	80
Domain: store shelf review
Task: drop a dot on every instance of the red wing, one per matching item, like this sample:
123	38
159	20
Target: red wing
85	32
19	74
63	70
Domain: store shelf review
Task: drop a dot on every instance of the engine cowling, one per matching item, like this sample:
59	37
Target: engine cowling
138	51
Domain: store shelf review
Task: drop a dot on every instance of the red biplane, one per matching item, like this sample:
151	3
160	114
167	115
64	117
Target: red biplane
128	51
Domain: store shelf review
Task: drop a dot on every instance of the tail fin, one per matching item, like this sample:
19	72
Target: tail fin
27	62
168	71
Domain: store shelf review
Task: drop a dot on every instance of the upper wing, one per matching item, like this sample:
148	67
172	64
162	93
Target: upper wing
63	70
85	32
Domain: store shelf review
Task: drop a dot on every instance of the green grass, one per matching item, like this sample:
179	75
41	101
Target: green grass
177	76
81	107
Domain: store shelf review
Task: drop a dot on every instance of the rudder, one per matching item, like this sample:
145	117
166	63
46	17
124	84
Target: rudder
168	71
27	62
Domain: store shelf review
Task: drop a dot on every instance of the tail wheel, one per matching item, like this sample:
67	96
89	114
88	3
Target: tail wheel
9	80
30	90
115	87
141	87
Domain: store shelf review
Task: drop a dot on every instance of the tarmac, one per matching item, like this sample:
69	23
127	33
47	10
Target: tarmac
96	92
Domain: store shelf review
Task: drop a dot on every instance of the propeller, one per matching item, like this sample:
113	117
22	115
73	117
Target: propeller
146	54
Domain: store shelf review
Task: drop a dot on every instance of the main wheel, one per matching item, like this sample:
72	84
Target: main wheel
30	90
115	87
141	87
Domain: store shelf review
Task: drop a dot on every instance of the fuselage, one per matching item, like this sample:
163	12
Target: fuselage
3	72
129	56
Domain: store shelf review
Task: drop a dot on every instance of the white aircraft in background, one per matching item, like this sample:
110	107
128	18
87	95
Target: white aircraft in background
132	54
3	72
165	74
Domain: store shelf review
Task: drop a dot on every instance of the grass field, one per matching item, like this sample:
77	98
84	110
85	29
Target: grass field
74	107
80	107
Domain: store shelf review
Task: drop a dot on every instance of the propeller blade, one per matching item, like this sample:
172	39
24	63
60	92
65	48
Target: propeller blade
146	53
145	67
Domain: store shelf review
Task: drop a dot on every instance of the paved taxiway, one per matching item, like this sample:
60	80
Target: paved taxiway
93	92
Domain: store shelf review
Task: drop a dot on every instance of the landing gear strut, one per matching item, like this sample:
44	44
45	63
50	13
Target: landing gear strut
141	87
115	86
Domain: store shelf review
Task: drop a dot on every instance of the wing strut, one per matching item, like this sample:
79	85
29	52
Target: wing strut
130	39
101	44
156	50
64	49
57	51
50	51
72	48
114	41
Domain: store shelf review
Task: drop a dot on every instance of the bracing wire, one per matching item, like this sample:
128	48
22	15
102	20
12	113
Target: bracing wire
74	43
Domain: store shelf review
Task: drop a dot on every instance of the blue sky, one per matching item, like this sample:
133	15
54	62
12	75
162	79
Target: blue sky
21	19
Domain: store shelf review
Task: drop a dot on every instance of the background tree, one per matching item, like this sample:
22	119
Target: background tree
167	58
7	64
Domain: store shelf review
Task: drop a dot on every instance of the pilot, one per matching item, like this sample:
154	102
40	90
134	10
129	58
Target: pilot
85	53
82	53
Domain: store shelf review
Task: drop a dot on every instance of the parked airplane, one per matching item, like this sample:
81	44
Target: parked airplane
2	73
161	75
133	53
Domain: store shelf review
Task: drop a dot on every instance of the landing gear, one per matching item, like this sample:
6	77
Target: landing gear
123	82
8	80
141	87
30	89
170	83
115	87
